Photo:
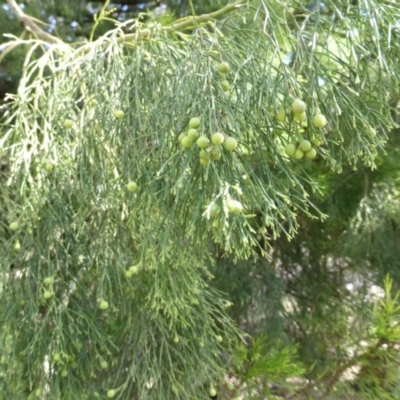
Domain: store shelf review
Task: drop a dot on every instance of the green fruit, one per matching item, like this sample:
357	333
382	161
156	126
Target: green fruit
176	339
67	162
223	67
225	85
212	392
311	153
316	142
298	106
218	338
56	357
300	117
290	149
204	154
186	142
48	280
128	274
193	134
111	393
134	269
203	142
204	161
38	392
132	186
14	226
103	364
64	373
215	153
298	154
214	211
194	123
47	294
118	114
103	305
17	245
319	121
181	136
234	206
68	123
230	144
305	145
217	138
49	166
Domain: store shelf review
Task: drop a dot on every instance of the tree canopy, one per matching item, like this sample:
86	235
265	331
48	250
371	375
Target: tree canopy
197	206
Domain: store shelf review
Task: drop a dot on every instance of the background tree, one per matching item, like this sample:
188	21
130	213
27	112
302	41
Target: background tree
154	177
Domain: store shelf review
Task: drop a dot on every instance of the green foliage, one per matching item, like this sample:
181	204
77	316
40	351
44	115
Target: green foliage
124	241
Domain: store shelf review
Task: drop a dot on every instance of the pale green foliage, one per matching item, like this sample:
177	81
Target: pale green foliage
66	186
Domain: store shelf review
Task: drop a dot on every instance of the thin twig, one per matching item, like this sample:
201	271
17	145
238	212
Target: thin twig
30	25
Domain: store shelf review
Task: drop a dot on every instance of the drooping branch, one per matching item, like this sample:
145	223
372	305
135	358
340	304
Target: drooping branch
30	25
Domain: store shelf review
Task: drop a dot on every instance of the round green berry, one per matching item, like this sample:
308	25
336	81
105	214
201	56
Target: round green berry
111	393
186	142
203	142
194	123
14	226
234	206
298	106
311	153
290	149
305	145
298	155
215	153
132	186
225	85
193	134
103	305
230	144
68	123
217	138
118	114
319	121
223	67
212	392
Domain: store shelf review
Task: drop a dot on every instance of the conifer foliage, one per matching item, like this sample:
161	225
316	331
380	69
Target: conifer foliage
136	161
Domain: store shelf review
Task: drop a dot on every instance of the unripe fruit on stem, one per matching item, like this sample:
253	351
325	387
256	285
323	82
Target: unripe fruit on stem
17	246
214	211
103	305
181	136
305	145
132	186
193	134
234	206
298	106
298	154
176	339
204	154
316	142
194	123
64	373
319	121
47	294
118	114
300	117
68	123
290	149
134	269
204	161
230	144
56	357
311	153
49	166
203	142
223	67
217	138
14	226
111	393
225	86
215	153
212	392
103	364
48	280
218	338
186	142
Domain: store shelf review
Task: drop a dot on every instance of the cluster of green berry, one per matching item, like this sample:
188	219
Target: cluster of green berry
223	69
210	149
303	147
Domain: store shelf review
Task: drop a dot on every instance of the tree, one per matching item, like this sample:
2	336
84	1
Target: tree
157	168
